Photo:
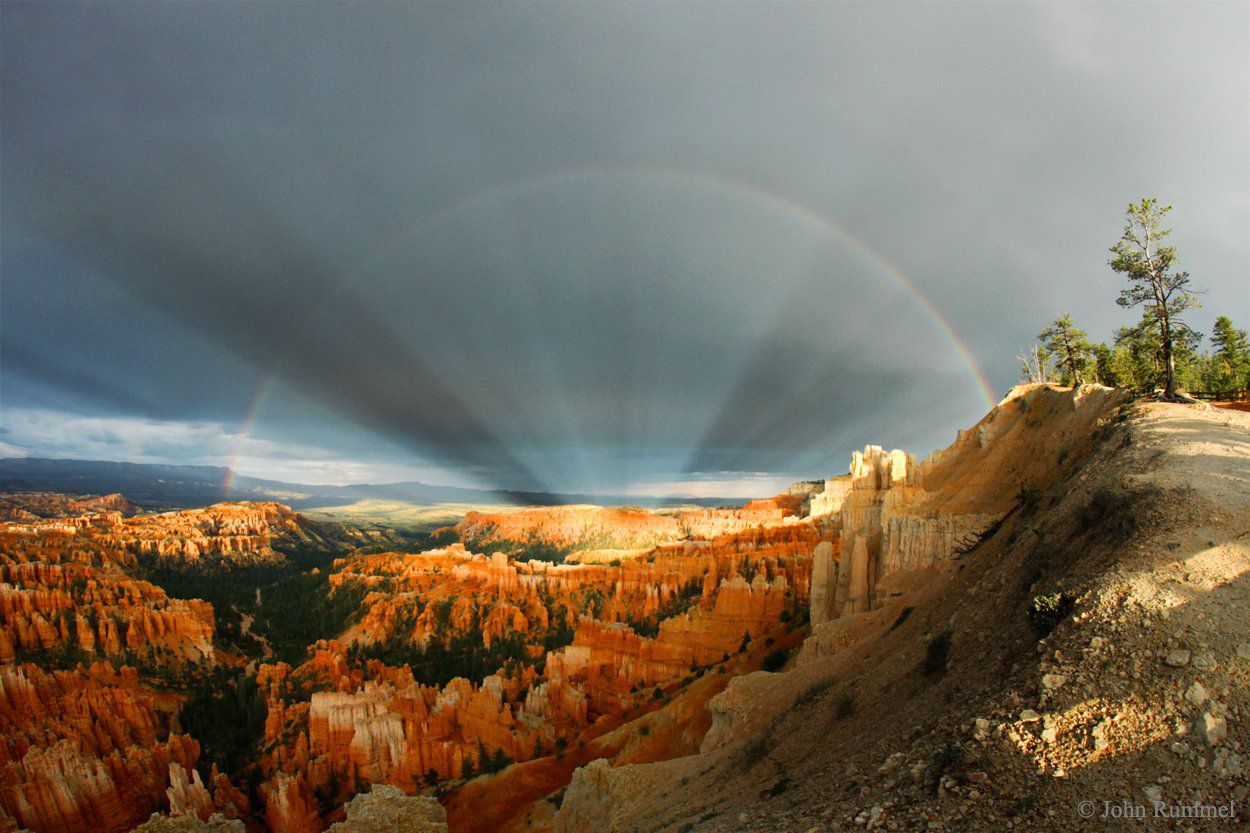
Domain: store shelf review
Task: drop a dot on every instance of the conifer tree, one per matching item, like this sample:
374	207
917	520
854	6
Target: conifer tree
1164	294
1068	344
1232	353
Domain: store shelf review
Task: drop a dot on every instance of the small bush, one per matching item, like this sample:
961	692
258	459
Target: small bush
757	748
947	758
1028	497
902	617
844	706
937	654
1112	510
1046	612
775	659
1063	454
814	692
776	789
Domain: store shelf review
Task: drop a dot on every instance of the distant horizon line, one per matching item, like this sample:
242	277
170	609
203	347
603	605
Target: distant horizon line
234	475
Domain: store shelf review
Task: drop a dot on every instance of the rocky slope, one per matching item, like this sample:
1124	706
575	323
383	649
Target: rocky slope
1091	646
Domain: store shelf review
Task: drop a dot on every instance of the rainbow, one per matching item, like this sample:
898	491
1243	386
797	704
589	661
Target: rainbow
683	177
244	431
941	324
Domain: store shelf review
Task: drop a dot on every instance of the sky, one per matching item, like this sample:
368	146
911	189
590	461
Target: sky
626	248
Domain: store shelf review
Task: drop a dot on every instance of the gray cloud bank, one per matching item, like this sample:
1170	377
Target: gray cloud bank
580	246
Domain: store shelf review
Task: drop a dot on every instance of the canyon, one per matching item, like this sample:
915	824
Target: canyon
571	668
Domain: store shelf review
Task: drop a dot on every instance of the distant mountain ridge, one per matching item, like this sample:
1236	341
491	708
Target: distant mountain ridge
159	486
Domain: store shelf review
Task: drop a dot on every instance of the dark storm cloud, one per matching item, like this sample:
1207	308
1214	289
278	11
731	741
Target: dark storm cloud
199	245
531	241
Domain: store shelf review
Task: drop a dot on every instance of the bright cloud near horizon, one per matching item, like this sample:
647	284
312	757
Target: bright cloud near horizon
615	248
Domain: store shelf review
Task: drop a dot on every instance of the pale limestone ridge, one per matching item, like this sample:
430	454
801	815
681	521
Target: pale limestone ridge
893	516
386	809
216	823
588	800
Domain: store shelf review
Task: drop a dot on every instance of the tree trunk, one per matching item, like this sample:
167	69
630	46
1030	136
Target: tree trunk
1169	362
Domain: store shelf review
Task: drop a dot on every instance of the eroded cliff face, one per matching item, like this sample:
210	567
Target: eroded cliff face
894	517
596	645
96	663
568	526
451	592
238	534
89	749
68	586
71	611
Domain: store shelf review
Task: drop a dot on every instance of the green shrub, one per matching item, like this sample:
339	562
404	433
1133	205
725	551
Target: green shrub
815	691
947	758
937	654
1047	611
903	615
775	659
844	705
1111	510
490	763
1028	497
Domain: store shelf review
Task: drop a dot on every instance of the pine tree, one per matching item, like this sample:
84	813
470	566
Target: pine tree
1232	354
1102	358
1138	356
1068	344
1147	264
